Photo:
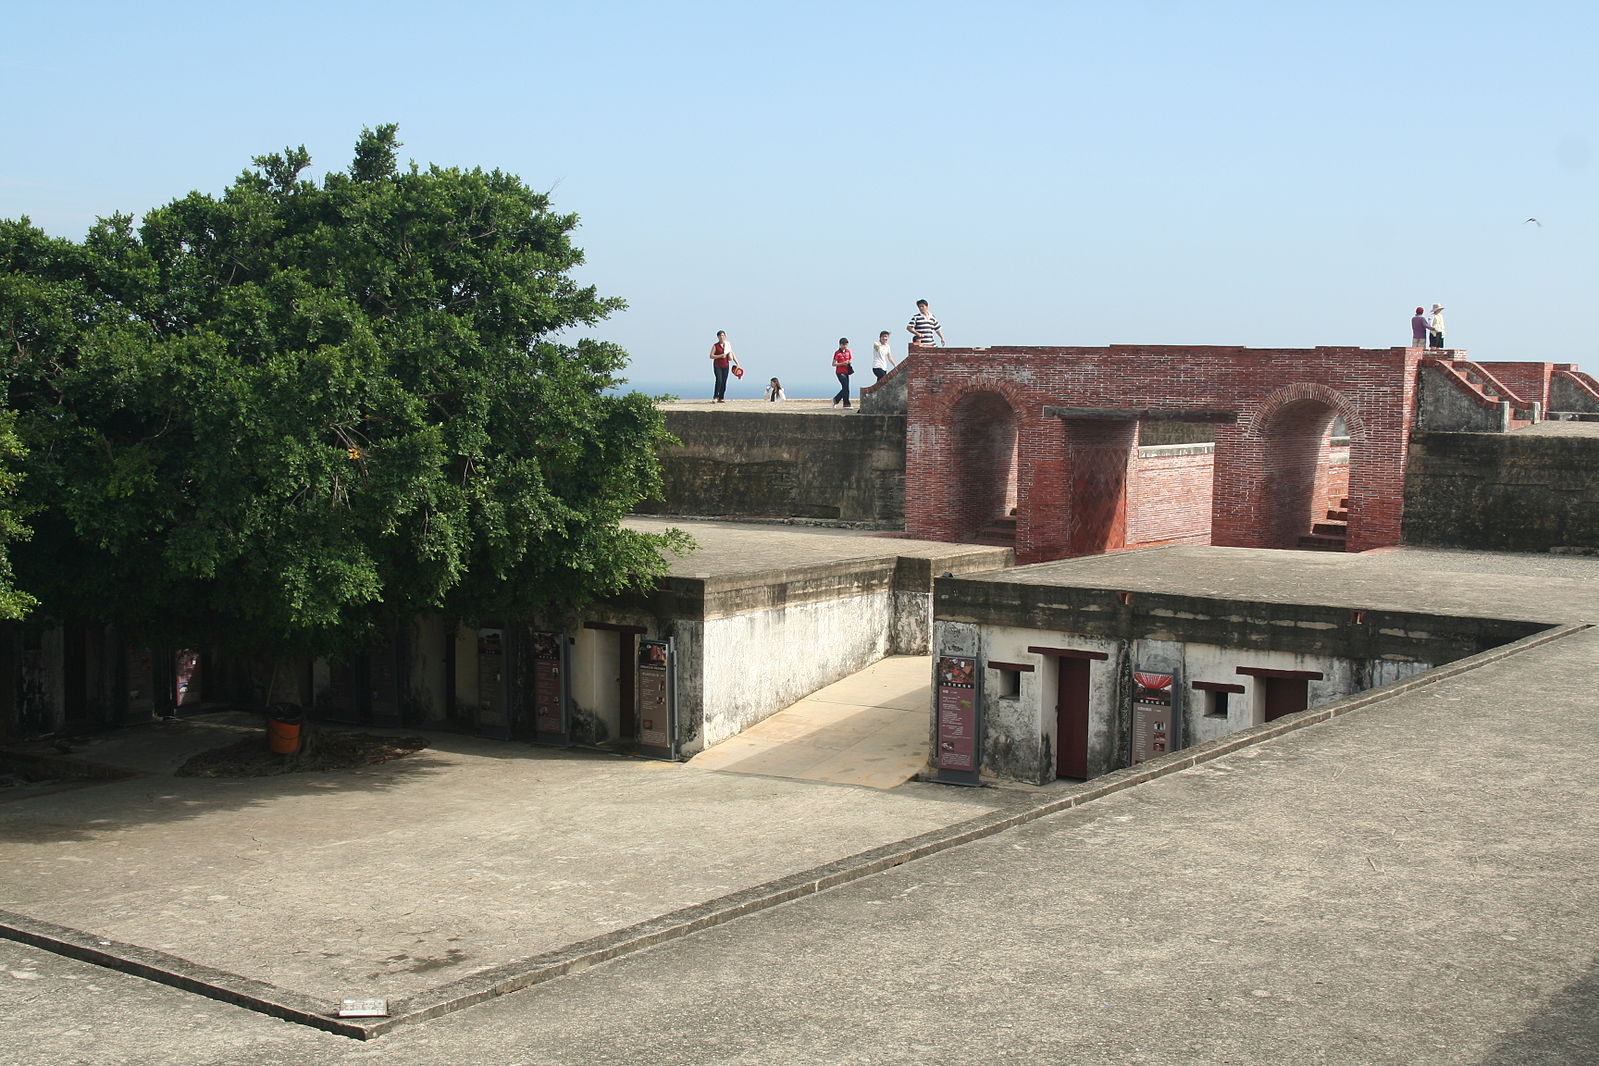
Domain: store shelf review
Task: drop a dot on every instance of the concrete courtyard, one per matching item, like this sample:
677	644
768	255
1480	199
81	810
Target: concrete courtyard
1410	882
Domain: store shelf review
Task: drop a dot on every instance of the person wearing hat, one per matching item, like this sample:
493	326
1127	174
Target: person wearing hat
1435	328
1418	329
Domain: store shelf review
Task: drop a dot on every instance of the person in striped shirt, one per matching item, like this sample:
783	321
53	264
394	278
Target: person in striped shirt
924	328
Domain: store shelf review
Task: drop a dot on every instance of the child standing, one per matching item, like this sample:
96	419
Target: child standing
843	367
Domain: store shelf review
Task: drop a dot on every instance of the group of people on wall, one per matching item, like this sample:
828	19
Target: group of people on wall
925	331
1427	331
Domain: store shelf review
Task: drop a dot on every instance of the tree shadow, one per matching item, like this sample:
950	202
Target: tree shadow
126	781
1564	1033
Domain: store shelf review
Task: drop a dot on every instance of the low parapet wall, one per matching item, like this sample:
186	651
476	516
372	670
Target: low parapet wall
1532	492
823	465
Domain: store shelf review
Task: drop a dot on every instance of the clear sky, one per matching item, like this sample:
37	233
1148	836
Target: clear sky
1143	171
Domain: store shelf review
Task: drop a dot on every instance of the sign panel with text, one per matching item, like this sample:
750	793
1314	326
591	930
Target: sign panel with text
654	695
957	714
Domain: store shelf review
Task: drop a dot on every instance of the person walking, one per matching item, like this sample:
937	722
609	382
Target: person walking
924	329
882	356
1435	328
1418	328
722	360
843	367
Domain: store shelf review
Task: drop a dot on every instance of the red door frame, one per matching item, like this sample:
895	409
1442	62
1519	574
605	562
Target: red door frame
1283	691
1072	708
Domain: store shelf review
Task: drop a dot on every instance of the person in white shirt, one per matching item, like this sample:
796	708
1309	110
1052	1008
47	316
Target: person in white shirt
882	356
774	391
1435	328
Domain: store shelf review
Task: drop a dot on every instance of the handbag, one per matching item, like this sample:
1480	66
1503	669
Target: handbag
849	368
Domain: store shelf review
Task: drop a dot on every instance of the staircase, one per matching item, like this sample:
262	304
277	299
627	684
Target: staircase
1458	395
999	533
1331	534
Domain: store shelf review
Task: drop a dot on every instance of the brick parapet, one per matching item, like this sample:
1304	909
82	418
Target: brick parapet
1273	391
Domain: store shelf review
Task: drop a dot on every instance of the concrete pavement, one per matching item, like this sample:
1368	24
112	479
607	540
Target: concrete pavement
1408	882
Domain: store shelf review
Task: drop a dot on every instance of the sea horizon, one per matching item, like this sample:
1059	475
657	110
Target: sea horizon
746	388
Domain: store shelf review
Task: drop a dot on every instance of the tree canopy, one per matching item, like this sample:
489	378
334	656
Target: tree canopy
297	412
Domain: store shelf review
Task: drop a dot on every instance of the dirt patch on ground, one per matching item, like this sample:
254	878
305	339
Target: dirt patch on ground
320	749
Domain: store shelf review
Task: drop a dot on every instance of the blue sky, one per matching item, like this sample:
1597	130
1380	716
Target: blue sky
1146	171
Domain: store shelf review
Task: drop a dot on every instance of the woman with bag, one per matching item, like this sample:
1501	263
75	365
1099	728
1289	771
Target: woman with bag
722	359
843	367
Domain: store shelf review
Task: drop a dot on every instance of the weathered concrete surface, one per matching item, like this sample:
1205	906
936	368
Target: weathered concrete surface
1516	587
802	458
1408	884
1245	598
765	615
869	729
396	878
1535	489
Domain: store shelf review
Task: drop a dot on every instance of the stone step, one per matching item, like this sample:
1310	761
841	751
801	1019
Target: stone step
1331	529
1337	516
1317	542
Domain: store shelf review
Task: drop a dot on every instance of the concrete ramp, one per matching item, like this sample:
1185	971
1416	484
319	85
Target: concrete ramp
870	729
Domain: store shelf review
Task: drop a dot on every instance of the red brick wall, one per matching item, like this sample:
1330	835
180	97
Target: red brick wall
1169	496
1263	462
1529	380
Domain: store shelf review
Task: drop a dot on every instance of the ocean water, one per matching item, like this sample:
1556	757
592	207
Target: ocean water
749	387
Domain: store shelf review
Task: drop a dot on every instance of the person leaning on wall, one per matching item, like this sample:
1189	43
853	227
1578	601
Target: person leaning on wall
924	329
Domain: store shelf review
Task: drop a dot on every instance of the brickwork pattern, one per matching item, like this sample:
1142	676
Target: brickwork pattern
1068	470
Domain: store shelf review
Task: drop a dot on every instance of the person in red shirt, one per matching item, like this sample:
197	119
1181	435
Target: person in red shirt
843	367
722	360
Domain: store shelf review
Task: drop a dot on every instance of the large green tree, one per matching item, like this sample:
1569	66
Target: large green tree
291	415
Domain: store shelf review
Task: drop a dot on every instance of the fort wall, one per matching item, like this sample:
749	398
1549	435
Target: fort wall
799	465
1530	492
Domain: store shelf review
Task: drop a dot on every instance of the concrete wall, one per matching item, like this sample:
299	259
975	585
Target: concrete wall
1503	492
1446	405
1192	638
745	645
822	465
756	664
1019	733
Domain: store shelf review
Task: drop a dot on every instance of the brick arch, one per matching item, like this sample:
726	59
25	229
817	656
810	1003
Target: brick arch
1069	461
985	427
1281	471
943	404
1298	393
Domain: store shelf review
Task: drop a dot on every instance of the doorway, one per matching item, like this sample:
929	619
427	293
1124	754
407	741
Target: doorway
1071	719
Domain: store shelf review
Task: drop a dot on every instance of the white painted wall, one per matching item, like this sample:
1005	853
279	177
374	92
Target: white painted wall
1020	733
757	664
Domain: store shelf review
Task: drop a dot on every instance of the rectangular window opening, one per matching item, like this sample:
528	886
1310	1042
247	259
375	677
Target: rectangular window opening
1216	704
